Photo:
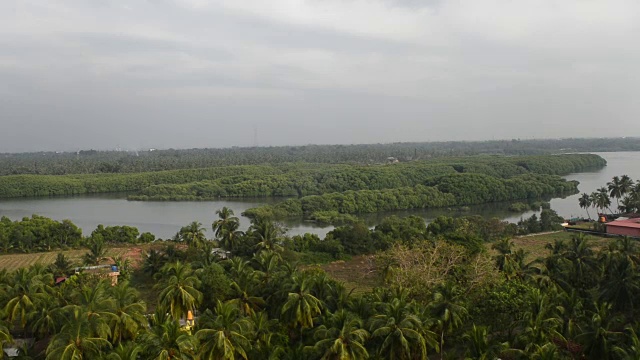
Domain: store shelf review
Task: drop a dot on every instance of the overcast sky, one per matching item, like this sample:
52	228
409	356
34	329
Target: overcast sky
78	74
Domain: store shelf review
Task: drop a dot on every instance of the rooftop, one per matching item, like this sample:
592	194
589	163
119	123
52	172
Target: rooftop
629	223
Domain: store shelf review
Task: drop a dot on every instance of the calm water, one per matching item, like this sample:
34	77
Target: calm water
164	219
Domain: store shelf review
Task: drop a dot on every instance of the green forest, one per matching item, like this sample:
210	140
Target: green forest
317	188
94	162
455	289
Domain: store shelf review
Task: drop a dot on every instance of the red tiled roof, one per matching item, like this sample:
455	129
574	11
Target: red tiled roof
628	223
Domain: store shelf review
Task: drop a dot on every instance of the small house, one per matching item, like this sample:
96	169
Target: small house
624	227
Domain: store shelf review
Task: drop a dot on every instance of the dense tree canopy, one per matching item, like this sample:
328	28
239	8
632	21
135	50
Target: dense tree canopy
91	161
289	179
438	294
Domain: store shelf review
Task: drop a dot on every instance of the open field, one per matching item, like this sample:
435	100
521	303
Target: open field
15	261
534	244
356	273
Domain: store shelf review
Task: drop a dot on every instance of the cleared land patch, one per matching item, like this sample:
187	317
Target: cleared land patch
535	244
15	261
356	273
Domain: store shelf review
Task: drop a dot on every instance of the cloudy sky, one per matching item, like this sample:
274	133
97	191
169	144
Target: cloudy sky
77	74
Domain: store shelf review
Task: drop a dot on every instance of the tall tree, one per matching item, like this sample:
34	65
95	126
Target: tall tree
193	234
96	252
76	340
178	289
167	341
5	338
342	338
223	335
585	203
267	235
400	333
448	311
226	228
615	188
27	289
129	313
301	306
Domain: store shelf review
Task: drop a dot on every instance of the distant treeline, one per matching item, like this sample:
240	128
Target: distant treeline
92	162
293	180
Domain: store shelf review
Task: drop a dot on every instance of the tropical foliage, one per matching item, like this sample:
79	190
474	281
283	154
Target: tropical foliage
622	189
442	294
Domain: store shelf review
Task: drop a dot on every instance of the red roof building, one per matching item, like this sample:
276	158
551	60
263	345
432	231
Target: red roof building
627	227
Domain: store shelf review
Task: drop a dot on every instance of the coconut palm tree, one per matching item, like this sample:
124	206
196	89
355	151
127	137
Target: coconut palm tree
541	321
301	306
76	340
97	305
583	262
267	234
46	318
226	228
604	201
96	252
479	347
599	334
153	262
342	338
626	184
223	335
62	266
5	338
129	313
267	264
505	250
242	273
264	336
178	289
193	234
125	351
631	349
585	203
401	333
615	189
167	340
593	198
621	284
447	310
548	351
244	301
27	289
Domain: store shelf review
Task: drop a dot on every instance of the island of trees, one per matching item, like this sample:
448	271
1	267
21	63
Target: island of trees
329	191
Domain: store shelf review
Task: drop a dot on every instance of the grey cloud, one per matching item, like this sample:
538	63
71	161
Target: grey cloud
193	74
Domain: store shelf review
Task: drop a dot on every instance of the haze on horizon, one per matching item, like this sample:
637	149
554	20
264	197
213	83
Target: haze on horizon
82	74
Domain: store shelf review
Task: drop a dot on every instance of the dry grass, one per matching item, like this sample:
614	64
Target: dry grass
15	261
356	273
534	244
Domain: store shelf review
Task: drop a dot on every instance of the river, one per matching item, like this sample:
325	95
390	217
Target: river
164	219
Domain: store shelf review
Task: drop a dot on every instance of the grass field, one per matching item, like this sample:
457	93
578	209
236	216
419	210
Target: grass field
356	273
16	261
534	244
